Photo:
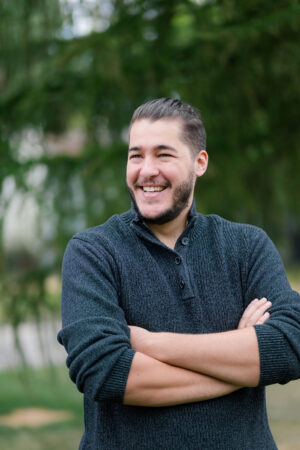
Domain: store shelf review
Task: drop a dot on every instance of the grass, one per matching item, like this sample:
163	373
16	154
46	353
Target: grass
54	390
50	389
44	387
284	414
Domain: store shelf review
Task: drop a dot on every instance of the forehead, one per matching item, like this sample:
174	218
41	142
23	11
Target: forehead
158	132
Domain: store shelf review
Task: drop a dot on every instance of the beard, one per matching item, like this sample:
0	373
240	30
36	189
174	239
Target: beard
181	196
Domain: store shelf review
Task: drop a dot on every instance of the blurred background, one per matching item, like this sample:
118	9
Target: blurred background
71	74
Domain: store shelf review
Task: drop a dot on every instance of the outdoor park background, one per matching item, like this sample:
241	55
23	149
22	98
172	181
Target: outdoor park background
71	74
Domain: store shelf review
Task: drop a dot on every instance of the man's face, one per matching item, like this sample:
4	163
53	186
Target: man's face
161	170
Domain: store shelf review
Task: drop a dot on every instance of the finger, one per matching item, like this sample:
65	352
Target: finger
263	319
254	312
253	306
250	310
259	312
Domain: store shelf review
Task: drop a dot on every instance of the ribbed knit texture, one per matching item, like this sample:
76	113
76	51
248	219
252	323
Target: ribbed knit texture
119	273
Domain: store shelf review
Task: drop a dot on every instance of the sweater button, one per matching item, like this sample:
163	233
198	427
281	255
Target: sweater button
185	241
182	284
177	260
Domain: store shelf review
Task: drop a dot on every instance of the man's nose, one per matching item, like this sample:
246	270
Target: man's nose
149	168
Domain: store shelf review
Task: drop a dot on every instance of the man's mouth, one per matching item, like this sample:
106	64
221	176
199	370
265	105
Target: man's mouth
153	188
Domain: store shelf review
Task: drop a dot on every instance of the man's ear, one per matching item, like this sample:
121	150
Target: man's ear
201	163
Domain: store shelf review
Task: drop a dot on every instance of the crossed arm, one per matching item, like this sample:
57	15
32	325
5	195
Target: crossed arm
170	369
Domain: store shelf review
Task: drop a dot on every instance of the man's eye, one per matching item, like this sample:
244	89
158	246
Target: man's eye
164	155
134	156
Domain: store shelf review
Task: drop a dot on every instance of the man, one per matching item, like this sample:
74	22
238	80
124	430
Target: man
165	311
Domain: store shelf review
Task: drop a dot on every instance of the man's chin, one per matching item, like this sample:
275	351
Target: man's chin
150	217
160	218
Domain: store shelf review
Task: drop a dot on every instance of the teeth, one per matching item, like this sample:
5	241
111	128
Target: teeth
153	188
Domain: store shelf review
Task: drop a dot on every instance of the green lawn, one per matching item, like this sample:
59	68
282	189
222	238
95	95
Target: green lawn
54	391
284	414
43	389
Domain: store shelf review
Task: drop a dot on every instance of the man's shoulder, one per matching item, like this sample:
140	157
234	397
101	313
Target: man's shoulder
214	220
229	230
218	235
113	229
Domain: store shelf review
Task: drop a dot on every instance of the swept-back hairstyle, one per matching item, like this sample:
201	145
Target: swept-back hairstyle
193	132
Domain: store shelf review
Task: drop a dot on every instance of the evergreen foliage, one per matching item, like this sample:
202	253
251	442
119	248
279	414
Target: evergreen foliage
66	98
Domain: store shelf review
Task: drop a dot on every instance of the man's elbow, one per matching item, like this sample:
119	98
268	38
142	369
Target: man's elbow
102	380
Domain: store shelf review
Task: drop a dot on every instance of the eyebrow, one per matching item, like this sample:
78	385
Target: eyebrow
158	147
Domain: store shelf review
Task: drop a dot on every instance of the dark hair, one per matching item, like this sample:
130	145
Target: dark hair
193	133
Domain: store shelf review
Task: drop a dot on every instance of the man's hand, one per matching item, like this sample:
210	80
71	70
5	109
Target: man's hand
255	313
231	356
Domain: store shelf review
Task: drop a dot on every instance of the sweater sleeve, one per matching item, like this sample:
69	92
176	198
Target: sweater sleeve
94	332
279	338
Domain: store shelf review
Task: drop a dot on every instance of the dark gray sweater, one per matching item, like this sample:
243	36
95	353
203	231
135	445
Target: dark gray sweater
119	273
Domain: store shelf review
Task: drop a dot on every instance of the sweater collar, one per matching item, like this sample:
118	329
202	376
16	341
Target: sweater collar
142	228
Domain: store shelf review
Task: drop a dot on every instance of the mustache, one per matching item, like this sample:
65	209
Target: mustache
150	181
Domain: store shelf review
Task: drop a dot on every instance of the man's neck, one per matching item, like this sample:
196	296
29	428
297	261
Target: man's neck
169	232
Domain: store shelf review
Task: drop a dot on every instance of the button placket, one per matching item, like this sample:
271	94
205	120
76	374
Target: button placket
183	278
185	285
185	240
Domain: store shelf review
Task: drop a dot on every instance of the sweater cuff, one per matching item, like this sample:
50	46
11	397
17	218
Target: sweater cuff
273	351
114	387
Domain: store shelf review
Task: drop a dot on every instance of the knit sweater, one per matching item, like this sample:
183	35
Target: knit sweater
119	273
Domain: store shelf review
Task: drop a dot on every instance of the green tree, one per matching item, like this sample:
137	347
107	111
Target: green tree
238	64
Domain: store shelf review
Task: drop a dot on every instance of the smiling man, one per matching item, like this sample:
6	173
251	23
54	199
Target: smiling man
161	174
174	322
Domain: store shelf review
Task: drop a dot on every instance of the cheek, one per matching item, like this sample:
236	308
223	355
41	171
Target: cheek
175	174
131	174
